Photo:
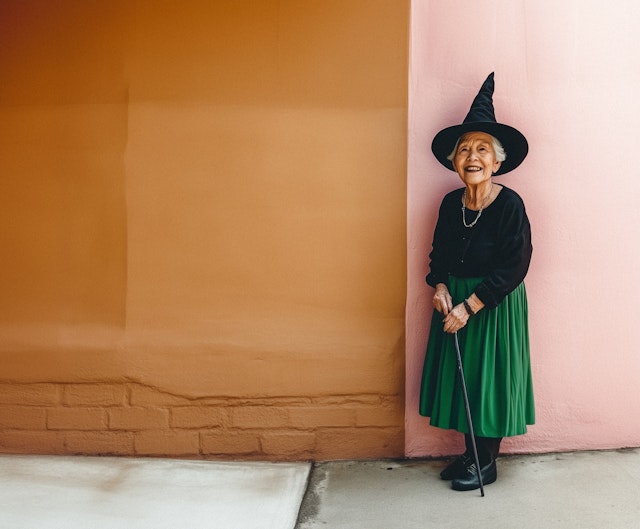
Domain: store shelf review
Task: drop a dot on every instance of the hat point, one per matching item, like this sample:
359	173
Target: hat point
482	106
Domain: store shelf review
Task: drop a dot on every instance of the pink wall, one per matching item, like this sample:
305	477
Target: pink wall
566	75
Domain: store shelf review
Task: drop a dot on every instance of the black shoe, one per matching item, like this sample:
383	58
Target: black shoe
471	482
457	468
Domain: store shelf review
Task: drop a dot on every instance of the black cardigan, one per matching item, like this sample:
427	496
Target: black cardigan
498	248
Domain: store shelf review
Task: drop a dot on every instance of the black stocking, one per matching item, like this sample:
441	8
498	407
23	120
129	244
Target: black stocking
488	448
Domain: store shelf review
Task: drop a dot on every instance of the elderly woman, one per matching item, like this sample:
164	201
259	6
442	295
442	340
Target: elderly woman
480	256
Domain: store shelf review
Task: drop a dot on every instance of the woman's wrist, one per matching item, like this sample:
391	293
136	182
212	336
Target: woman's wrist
468	308
474	303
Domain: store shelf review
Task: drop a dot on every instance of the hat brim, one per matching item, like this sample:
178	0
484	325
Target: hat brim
514	143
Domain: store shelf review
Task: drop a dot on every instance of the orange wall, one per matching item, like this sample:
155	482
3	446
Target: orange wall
203	227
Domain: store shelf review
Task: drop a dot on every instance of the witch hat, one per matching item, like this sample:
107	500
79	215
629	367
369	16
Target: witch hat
481	118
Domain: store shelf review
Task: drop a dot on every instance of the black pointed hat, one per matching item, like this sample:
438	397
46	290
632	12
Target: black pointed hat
481	118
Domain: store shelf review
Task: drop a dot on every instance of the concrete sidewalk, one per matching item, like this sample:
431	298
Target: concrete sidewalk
38	492
581	489
573	490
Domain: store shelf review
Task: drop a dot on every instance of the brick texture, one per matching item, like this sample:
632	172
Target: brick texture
138	418
23	418
196	417
77	419
32	442
95	395
282	444
165	442
99	443
30	394
133	419
230	443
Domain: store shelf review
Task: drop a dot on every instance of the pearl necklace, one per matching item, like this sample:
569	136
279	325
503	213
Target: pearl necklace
464	209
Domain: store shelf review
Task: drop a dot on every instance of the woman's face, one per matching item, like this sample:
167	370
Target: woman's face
475	158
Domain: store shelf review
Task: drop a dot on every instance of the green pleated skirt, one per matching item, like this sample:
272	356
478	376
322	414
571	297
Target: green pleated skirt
494	346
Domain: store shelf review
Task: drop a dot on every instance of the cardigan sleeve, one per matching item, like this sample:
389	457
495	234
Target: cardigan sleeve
438	267
512	258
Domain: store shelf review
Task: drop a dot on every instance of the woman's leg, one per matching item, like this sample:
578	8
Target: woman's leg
488	448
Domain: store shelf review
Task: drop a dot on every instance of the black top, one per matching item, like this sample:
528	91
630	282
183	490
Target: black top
498	248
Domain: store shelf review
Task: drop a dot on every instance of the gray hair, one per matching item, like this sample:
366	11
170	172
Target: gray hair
501	156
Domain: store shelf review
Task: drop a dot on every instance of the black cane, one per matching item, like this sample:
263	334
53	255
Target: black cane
468	410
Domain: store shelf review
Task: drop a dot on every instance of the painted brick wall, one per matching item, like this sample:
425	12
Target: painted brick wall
132	419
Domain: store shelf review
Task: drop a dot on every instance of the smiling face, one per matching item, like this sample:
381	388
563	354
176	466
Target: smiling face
475	158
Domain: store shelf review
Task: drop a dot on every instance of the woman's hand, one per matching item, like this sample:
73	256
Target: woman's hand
442	301
459	315
456	319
